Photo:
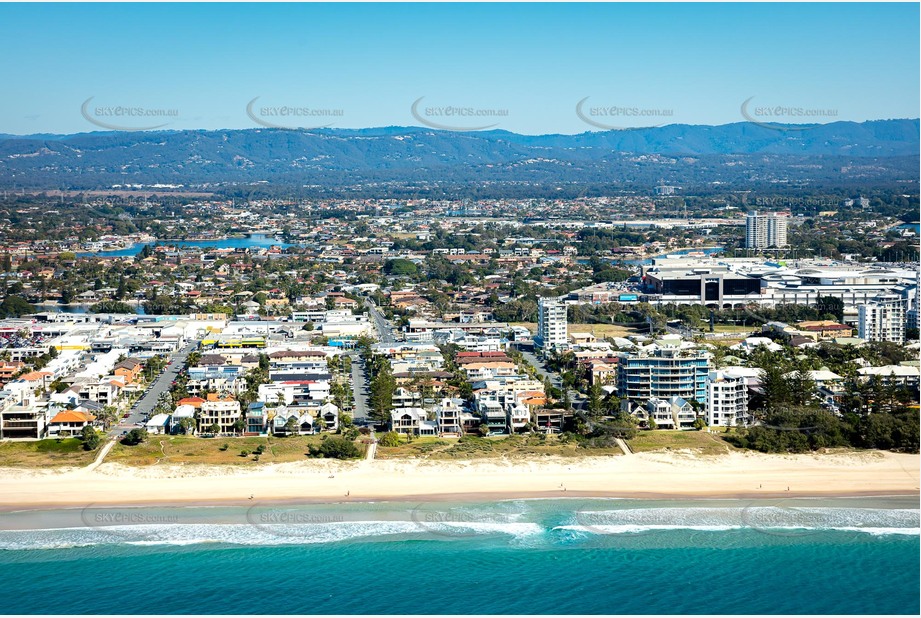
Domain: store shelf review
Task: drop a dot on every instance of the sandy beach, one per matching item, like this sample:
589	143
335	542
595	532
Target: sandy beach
649	475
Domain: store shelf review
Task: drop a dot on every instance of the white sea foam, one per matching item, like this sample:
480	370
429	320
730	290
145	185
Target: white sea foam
446	523
778	519
247	534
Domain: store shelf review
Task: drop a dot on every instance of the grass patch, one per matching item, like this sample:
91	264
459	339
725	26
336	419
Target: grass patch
496	447
604	330
663	440
190	449
41	453
728	328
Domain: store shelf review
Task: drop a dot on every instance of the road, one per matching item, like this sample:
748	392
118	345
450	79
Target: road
384	330
360	390
148	401
556	381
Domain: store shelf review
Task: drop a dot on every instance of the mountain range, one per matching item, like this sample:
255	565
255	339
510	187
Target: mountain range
739	155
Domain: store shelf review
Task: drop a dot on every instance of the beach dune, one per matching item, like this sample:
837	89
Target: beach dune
653	475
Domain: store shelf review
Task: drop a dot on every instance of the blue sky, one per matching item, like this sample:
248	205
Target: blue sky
365	65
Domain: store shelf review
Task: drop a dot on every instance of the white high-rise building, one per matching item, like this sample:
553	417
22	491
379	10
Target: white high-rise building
763	230
551	323
727	399
882	320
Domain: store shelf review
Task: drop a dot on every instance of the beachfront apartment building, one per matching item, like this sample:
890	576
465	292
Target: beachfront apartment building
663	373
551	324
727	400
223	411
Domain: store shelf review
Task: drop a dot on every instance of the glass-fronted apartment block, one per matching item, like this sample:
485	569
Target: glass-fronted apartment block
662	374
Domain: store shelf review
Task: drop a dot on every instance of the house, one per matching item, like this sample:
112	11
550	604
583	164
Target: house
159	424
671	413
194	402
581	338
9	369
181	412
37	380
405	398
69	423
825	329
408	420
549	420
104	392
21	418
448	417
129	369
293	421
330	415
907	375
256	418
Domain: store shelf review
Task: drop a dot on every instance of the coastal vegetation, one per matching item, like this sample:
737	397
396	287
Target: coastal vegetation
39	454
498	447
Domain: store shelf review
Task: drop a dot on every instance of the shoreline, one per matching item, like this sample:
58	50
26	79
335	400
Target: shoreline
651	476
450	498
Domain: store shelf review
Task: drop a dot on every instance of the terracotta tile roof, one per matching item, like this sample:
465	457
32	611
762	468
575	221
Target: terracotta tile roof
34	375
72	416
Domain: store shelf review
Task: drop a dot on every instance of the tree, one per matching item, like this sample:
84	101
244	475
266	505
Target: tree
108	415
832	306
595	406
400	267
239	425
383	384
90	438
186	425
122	289
135	437
336	448
700	424
319	423
214	429
14	307
291	426
390	439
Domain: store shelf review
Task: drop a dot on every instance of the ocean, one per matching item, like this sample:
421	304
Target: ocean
553	556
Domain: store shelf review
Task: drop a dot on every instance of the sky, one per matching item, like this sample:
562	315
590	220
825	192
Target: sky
520	67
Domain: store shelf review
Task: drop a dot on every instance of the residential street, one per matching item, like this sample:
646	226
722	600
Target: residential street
148	401
359	389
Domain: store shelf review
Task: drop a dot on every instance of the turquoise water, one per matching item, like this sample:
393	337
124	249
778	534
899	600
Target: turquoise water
251	241
519	556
